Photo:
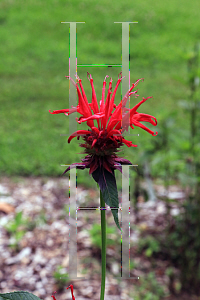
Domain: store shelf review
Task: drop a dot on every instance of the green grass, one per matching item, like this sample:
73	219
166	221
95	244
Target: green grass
34	61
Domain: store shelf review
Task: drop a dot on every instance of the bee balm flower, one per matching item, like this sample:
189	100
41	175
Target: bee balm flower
102	142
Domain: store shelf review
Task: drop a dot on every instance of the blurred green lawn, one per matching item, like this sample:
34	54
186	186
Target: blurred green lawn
34	61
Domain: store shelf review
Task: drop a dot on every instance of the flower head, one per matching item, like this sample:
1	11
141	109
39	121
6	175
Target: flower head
102	142
54	298
71	287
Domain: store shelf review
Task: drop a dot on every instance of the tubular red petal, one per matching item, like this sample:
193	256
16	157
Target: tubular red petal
105	119
71	287
132	93
124	100
84	96
133	110
93	143
72	110
94	103
113	97
123	103
103	94
115	118
77	133
96	116
102	105
94	98
113	132
145	118
128	143
84	108
128	117
59	111
136	123
95	130
125	123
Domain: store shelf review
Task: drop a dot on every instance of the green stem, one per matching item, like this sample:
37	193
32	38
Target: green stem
103	247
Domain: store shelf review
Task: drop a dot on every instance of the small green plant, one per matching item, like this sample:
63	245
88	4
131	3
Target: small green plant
61	278
95	235
149	288
150	244
17	228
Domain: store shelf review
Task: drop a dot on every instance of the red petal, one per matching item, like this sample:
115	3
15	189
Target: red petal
94	98
124	123
93	143
105	119
95	129
71	286
145	118
118	113
113	132
128	143
84	108
115	118
124	100
133	110
59	111
113	97
85	98
93	117
102	105
94	105
77	133
136	123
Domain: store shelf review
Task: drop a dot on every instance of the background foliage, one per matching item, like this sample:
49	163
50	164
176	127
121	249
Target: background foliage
34	62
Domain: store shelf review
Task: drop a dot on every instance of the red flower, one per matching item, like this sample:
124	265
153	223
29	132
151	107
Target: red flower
101	142
71	287
53	295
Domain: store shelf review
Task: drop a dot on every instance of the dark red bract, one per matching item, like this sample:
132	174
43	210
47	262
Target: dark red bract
102	142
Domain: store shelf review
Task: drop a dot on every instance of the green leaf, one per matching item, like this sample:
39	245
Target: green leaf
110	194
20	295
108	186
148	252
18	218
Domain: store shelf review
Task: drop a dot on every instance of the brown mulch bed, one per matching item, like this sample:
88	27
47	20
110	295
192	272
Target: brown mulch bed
31	265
